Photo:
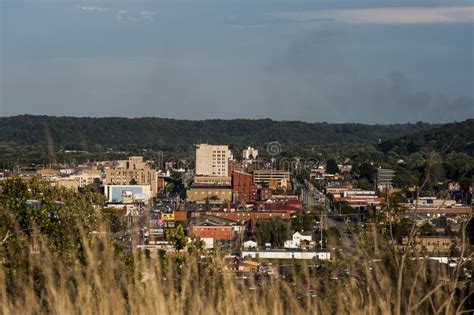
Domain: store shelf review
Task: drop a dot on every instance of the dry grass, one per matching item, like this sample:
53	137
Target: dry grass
109	281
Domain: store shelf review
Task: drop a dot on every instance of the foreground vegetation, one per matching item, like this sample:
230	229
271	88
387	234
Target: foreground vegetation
62	258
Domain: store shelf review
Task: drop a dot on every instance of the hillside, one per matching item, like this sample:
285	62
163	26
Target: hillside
453	137
160	133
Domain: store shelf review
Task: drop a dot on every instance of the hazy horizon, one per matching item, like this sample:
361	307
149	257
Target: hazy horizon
240	118
335	61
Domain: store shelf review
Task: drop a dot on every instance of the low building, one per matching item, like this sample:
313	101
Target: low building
299	240
432	206
219	229
250	245
360	199
338	191
443	245
66	182
281	254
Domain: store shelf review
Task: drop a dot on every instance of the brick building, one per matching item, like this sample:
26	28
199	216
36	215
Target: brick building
218	228
243	187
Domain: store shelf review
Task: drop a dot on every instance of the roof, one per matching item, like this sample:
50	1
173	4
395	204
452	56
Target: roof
304	233
209	186
275	207
210	220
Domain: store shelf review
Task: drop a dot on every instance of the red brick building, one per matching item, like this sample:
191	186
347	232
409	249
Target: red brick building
218	228
243	187
220	233
234	166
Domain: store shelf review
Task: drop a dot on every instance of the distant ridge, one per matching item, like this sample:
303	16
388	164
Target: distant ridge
453	137
86	133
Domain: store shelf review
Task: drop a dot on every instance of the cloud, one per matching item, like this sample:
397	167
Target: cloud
402	15
123	15
92	9
148	15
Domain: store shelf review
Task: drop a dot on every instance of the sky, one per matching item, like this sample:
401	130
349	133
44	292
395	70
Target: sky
335	61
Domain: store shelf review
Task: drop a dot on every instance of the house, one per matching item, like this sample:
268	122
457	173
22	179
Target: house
299	240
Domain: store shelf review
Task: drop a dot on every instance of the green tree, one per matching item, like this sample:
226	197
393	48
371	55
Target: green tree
303	221
14	193
275	231
114	219
367	171
427	229
401	228
177	238
196	245
331	167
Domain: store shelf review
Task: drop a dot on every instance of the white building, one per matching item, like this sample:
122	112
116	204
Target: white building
271	254
212	160
249	153
207	242
250	244
297	239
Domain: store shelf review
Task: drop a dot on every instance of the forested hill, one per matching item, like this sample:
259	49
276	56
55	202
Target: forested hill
454	137
160	133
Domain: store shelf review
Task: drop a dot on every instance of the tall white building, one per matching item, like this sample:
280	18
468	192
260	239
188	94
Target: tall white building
212	160
249	152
